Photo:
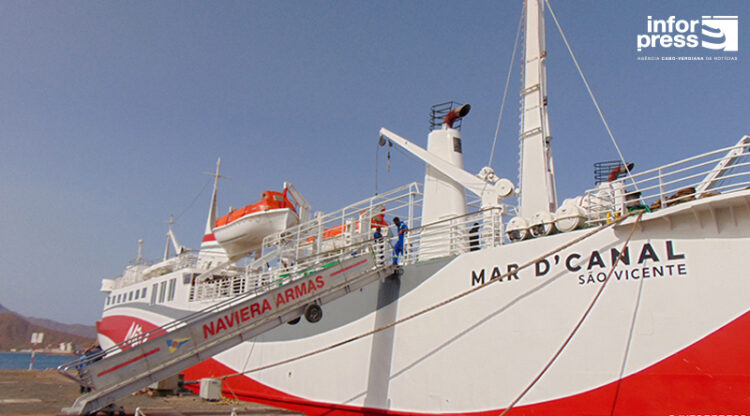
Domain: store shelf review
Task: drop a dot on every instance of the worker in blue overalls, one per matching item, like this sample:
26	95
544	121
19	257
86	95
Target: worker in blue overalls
401	230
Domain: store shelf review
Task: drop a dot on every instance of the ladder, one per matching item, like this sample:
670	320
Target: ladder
184	343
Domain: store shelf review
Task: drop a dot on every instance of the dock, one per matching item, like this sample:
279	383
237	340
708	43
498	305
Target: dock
45	392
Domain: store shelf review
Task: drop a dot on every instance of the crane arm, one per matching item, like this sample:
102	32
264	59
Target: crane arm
484	189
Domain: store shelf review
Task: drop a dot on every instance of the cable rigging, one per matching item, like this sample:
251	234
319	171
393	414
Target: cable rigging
507	83
588	88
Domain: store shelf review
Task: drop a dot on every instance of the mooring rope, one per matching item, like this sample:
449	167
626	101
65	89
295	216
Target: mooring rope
580	321
435	306
628	345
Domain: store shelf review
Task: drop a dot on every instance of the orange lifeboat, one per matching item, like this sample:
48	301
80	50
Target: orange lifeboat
332	232
241	232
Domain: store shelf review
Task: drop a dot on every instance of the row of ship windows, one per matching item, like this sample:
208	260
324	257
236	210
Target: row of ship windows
165	290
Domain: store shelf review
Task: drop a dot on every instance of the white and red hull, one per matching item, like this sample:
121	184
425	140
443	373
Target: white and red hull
669	334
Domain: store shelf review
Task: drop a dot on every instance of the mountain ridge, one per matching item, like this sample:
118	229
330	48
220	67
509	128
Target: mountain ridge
16	330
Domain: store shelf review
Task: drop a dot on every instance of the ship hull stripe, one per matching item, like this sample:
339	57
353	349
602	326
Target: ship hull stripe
709	376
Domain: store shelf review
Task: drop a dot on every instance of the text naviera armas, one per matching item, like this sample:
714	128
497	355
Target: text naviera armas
711	32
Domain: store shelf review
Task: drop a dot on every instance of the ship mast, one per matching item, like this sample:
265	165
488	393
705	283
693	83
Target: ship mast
537	181
212	209
211	252
172	239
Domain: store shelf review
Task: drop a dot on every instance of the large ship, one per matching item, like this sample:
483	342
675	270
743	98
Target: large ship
631	298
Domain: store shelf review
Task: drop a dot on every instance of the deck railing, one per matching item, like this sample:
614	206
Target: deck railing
310	246
720	171
139	272
330	237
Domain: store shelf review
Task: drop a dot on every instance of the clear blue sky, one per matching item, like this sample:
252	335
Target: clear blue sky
110	111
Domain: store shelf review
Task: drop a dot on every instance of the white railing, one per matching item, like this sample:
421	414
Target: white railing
452	236
255	282
145	270
228	284
326	239
720	171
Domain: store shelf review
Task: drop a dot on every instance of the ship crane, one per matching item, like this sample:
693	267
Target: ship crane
491	189
446	182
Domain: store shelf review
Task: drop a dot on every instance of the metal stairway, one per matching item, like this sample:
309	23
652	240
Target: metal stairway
184	343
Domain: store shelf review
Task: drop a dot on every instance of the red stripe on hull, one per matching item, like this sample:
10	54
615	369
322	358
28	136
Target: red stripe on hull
209	237
127	363
711	376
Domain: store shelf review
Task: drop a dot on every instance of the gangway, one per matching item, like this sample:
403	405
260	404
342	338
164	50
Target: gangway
181	344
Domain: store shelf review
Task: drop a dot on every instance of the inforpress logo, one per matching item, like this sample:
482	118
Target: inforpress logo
710	32
720	33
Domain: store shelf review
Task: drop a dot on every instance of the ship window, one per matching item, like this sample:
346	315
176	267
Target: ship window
143	293
137	294
153	293
186	278
130	297
170	296
162	291
457	145
119	297
106	301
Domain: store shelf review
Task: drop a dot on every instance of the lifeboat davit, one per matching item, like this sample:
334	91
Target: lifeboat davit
241	232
